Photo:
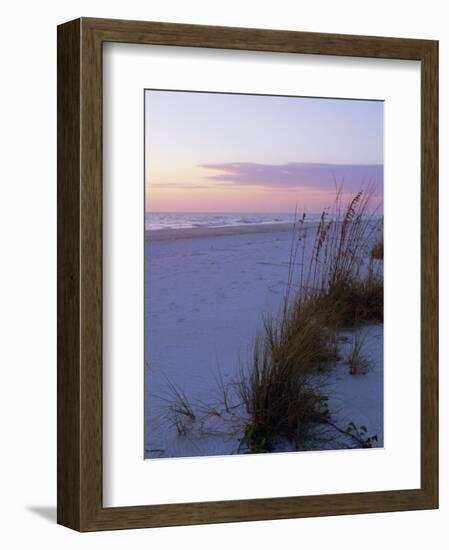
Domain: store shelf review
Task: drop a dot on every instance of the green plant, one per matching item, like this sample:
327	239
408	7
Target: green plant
360	435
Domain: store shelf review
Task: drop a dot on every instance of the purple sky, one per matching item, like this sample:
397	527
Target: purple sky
225	152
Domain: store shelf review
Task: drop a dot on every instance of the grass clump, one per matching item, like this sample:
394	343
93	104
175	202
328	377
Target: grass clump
355	301
281	397
179	409
335	286
358	360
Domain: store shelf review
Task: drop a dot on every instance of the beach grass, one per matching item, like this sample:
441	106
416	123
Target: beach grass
340	287
358	360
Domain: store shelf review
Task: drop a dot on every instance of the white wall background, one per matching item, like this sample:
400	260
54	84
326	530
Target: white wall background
28	271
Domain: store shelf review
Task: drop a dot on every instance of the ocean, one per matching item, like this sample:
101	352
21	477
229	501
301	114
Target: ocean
185	220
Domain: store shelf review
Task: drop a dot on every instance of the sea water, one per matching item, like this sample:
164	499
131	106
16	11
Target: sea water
187	220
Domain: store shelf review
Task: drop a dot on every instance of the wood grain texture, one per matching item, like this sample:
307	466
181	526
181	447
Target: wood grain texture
429	271
80	274
69	408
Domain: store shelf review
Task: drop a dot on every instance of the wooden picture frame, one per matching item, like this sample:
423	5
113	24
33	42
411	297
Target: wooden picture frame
80	503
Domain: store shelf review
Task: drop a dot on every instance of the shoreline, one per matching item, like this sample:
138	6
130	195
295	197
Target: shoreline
204	232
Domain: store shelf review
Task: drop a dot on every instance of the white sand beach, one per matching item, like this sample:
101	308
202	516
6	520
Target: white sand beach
206	293
209	232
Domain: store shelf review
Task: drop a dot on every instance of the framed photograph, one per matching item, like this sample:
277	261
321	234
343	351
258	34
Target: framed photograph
247	274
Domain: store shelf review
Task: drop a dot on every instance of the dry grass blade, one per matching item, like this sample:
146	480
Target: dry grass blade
358	360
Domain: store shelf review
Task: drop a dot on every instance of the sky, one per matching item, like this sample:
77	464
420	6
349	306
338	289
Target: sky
216	152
